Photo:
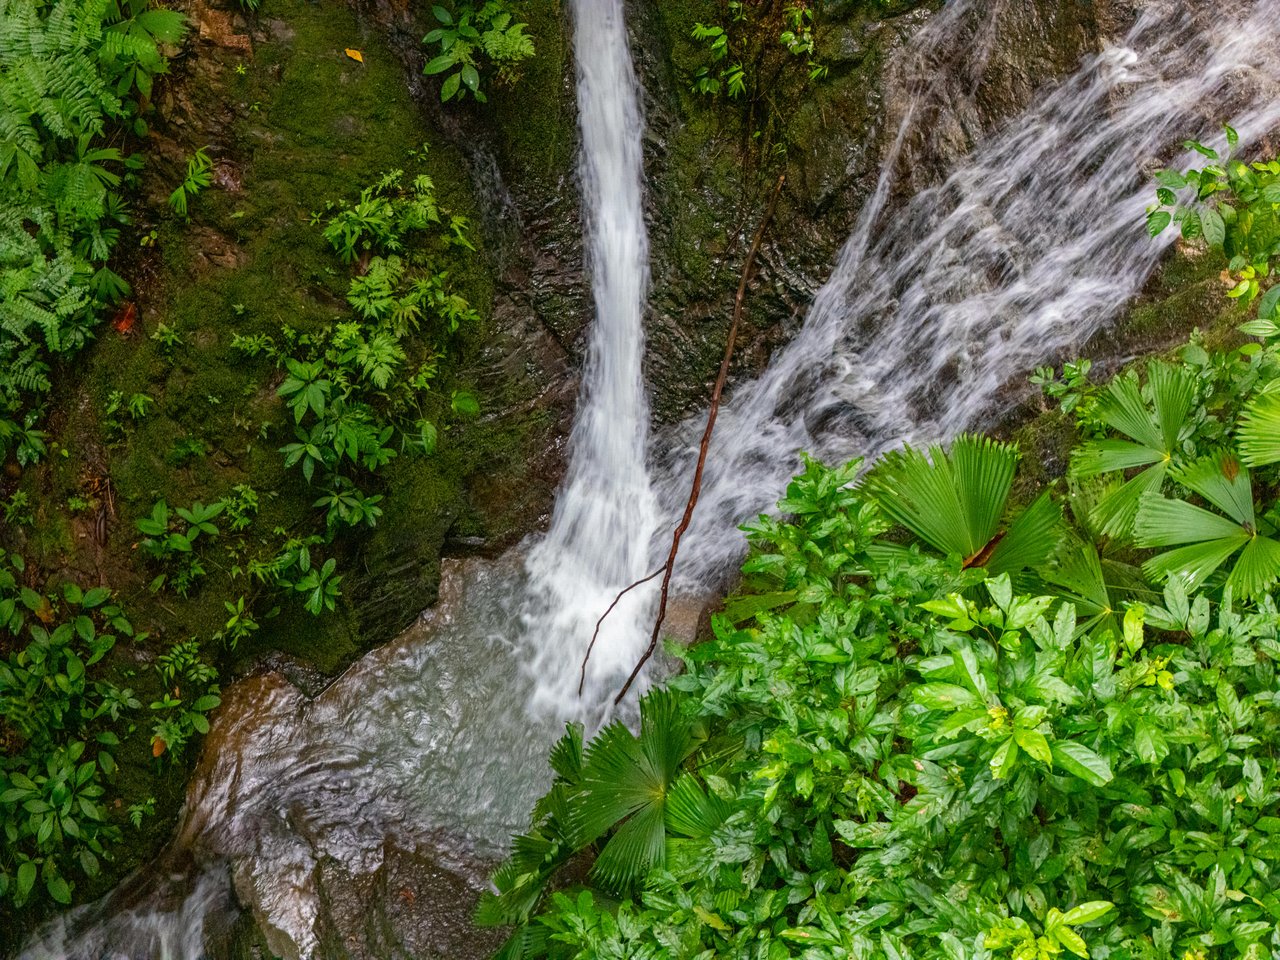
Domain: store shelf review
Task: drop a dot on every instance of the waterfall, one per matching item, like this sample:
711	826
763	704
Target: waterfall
935	305
605	511
1023	251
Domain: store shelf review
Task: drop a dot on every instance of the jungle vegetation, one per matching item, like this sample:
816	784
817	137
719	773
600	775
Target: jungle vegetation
938	723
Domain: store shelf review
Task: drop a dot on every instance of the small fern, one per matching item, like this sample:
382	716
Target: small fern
68	68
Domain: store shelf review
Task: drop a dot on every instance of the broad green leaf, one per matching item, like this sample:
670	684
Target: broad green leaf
1215	230
1267	305
58	889
26	880
439	65
1005	759
1035	744
945	696
1080	761
1072	941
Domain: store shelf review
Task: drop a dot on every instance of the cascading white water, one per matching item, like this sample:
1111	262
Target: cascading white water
494	692
440	738
1022	252
605	511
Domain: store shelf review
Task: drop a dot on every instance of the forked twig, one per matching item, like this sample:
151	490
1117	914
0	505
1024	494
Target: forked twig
669	567
582	680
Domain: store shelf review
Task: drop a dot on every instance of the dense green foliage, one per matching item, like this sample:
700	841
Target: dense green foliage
74	71
473	41
356	391
752	44
1246	228
933	725
62	721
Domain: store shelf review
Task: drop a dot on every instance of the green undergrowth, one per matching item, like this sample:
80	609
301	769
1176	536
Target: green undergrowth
162	414
310	125
943	721
1184	294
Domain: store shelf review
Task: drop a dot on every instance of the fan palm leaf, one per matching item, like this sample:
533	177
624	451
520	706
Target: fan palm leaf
626	785
1258	435
1205	540
526	942
1153	431
1094	585
955	501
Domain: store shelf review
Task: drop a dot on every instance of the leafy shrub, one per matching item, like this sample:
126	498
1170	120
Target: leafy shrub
473	40
355	389
199	175
189	694
749	50
170	542
56	724
1244	225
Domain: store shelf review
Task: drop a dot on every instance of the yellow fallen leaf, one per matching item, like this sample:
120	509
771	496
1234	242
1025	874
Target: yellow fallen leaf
354	54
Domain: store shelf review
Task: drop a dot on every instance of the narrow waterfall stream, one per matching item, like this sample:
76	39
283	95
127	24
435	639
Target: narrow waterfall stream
605	511
439	739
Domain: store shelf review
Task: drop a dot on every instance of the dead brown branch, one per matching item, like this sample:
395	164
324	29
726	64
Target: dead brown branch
713	411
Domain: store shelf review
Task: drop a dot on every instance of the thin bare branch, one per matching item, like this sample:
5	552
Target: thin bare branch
714	410
582	680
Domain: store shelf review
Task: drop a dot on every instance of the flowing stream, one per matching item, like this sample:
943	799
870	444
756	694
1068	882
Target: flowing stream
1023	251
1031	243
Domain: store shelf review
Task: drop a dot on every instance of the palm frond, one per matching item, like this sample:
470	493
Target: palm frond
1210	538
691	811
527	942
1258	568
1077	572
1193	563
1162	523
1173	391
625	784
953	502
1106	456
1224	483
1258	433
1115	512
616	783
1153	429
635	847
566	755
1122	408
1031	539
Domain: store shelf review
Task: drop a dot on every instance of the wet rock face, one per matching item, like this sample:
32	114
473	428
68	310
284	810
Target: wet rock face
710	183
311	879
410	908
